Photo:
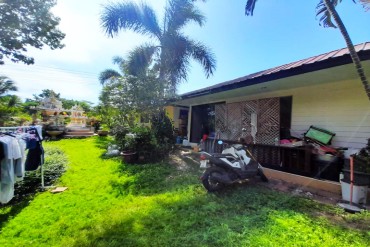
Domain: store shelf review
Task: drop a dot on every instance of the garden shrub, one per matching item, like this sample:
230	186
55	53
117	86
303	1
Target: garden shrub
54	166
163	131
151	143
119	132
145	139
162	128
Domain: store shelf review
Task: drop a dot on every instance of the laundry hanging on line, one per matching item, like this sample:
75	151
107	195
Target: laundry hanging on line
15	159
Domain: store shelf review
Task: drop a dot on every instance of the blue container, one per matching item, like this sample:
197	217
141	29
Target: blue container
178	140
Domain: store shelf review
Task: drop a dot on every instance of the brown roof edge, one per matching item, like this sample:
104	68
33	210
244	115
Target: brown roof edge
319	62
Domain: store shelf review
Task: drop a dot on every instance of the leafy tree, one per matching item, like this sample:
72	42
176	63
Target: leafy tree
131	95
29	106
10	108
69	103
170	53
124	95
25	23
46	93
326	9
105	114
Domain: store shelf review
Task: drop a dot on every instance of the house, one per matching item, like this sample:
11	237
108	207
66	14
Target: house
323	91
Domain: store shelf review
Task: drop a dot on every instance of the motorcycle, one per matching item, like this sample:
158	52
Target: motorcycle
231	166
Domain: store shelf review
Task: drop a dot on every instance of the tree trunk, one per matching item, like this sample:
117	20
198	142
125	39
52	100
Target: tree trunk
351	48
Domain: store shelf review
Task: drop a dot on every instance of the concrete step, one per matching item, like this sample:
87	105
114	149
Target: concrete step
79	130
77	136
75	133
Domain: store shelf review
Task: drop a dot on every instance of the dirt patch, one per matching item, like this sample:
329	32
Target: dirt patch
297	190
184	159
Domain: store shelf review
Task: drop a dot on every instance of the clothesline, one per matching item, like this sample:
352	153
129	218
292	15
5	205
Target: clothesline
37	131
22	129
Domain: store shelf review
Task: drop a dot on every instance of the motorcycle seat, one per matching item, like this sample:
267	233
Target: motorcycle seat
238	147
217	155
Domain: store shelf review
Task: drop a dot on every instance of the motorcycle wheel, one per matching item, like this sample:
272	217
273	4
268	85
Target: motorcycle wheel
262	175
208	182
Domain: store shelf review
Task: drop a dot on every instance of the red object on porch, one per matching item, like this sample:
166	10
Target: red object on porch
328	150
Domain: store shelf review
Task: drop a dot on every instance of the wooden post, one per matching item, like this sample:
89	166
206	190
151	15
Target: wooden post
351	178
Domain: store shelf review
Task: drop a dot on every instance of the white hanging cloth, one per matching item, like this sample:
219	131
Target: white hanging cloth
12	164
254	126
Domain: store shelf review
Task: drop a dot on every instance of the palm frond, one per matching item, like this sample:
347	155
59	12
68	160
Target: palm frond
249	7
6	85
365	4
175	58
118	60
179	50
107	75
122	64
204	56
180	12
140	58
130	16
326	18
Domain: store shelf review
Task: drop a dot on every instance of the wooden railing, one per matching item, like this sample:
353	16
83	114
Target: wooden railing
297	160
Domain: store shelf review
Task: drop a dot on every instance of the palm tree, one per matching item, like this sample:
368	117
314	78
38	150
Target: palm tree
111	74
170	50
6	85
8	103
326	9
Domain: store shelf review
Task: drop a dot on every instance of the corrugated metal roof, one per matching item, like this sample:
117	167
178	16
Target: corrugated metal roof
326	60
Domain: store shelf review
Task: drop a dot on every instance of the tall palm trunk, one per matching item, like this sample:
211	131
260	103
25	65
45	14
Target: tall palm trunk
351	48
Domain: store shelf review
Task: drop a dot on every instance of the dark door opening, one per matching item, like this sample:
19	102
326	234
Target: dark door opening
202	121
285	116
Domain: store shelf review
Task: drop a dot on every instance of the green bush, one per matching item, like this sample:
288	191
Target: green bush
119	132
162	128
144	139
54	166
151	143
163	131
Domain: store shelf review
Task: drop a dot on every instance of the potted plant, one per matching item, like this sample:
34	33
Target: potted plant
103	131
129	153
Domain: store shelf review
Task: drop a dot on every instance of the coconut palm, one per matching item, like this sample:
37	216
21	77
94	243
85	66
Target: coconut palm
8	103
326	9
111	74
6	85
169	50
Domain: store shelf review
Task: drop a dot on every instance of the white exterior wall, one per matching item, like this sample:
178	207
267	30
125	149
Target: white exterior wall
341	107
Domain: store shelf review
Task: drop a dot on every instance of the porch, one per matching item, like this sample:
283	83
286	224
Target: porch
300	160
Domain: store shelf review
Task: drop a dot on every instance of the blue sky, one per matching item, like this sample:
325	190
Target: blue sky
279	32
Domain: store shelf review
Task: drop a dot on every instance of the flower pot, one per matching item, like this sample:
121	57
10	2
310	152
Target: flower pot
129	157
54	133
359	193
103	132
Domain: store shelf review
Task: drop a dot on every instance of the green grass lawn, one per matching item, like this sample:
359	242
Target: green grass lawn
109	203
